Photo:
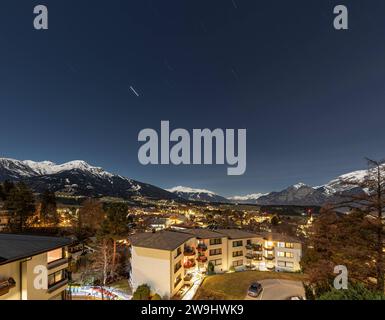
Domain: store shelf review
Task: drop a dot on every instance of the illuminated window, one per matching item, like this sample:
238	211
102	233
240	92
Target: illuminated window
289	245
54	255
55	278
281	254
281	244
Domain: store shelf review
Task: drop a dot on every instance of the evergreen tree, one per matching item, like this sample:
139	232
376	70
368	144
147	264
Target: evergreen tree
22	202
48	210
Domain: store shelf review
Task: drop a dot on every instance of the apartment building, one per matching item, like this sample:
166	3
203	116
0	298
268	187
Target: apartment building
168	261
23	258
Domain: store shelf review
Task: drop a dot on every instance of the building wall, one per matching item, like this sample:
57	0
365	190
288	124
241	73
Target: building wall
11	270
223	256
152	267
22	272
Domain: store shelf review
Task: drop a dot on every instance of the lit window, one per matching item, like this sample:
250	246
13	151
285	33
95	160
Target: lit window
54	255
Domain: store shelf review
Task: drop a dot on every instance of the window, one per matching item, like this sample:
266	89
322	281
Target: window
238	243
177	266
55	255
237	263
178	279
55	278
215	252
215	241
281	244
285	264
178	252
248	242
216	262
238	253
289	245
285	254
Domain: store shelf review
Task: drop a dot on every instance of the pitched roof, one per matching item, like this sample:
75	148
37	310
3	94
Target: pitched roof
237	233
163	240
273	236
203	233
15	247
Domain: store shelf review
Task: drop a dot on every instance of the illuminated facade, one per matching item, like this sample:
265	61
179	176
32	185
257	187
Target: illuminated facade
169	260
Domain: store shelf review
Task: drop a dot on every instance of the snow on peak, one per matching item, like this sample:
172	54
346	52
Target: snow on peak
299	185
33	168
188	190
253	196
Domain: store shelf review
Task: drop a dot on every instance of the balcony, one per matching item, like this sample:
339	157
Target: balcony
201	247
57	285
189	264
189	251
6	285
268	248
254	247
202	259
188	277
269	257
57	263
257	257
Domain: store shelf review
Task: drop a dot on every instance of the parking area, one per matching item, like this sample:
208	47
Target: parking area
278	289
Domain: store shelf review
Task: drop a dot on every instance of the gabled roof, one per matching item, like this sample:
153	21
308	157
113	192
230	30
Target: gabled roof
203	233
15	247
273	236
162	240
237	233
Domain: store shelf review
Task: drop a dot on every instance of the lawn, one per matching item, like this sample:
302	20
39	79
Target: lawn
233	286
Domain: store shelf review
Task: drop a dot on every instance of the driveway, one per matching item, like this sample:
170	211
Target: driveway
275	289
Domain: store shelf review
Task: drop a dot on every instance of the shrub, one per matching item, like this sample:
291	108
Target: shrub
156	297
142	293
354	292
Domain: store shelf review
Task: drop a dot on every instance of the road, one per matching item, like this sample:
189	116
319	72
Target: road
276	289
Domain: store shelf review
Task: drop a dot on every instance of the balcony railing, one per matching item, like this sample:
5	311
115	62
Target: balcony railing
58	285
57	263
202	259
268	247
269	257
254	247
257	257
189	264
6	285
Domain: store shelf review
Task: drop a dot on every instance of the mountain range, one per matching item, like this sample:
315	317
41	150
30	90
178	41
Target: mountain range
77	178
80	178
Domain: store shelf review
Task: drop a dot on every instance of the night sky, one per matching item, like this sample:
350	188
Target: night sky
311	98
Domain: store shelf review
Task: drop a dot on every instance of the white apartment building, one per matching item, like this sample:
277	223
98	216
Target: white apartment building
168	261
20	254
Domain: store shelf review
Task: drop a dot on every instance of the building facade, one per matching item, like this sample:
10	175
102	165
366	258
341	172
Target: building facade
168	261
33	268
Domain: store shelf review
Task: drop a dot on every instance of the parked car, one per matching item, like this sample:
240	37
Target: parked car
254	290
296	298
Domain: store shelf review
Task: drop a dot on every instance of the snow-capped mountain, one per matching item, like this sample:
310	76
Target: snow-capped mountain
298	194
249	198
302	194
203	195
76	178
